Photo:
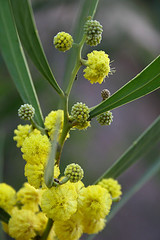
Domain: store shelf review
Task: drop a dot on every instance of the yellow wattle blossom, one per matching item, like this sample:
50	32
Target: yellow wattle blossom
60	202
35	174
82	126
5	227
36	148
94	202
22	224
42	222
112	185
92	226
78	186
7	197
21	133
28	197
98	66
71	229
50	122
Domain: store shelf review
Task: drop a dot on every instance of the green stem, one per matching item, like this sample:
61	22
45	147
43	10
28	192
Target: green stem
66	127
35	125
47	230
77	65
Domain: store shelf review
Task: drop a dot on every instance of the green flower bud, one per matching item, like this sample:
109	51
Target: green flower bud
93	30
105	93
105	118
26	112
74	172
63	41
80	112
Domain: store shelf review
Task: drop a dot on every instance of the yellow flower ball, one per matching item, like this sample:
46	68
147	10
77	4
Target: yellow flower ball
7	197
92	226
59	203
22	225
28	197
36	149
71	229
34	174
21	133
112	185
98	66
94	202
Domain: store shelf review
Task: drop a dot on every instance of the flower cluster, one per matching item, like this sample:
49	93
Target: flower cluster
26	219
36	148
63	206
98	66
74	208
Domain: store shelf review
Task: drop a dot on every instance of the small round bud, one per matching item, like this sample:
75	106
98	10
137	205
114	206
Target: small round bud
63	41
74	172
26	112
105	93
93	30
105	118
80	112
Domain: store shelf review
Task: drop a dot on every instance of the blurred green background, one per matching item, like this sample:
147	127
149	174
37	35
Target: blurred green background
131	37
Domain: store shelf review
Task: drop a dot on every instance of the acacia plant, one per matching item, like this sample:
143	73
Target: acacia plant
53	204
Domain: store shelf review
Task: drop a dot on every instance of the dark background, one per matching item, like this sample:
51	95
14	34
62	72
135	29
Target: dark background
131	37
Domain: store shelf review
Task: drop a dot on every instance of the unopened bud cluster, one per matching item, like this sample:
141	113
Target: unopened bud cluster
93	30
80	113
74	172
105	118
26	112
105	93
63	41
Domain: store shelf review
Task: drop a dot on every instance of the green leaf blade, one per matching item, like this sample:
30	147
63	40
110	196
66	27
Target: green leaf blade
13	55
144	83
138	149
30	40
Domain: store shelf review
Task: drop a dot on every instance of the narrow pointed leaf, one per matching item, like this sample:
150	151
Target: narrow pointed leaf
15	60
145	82
139	148
30	40
153	169
2	140
4	216
49	170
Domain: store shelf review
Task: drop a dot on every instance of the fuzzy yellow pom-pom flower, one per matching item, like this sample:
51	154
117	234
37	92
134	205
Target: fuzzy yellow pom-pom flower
98	66
71	229
59	203
92	226
50	122
35	174
94	202
28	197
21	133
36	148
7	197
22	225
112	185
